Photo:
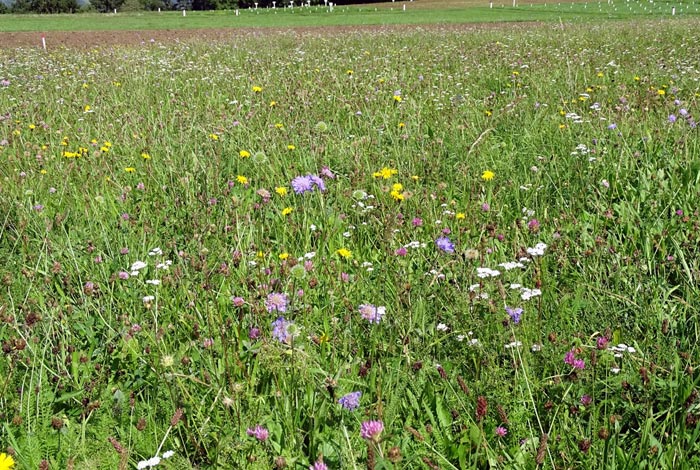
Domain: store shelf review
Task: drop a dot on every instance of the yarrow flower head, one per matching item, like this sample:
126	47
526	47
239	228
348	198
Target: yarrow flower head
258	432
351	401
371	313
370	430
276	302
445	244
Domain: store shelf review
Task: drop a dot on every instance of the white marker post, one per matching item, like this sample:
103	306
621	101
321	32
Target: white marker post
237	12
43	41
256	6
404	7
274	5
491	5
673	11
184	12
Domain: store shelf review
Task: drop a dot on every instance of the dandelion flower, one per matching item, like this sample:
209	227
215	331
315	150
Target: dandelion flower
281	190
257	89
244	154
6	462
286	211
344	253
488	175
242	179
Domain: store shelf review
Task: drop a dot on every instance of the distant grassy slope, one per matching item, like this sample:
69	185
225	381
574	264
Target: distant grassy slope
419	12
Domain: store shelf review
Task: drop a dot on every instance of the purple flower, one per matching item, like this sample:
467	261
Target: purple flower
238	301
533	225
326	172
38	208
276	302
258	432
672	118
445	244
485	207
351	401
515	314
371	430
586	400
612	126
417	222
123	275
371	313
501	431
570	359
307	183
280	330
602	342
302	184
4	82
254	333
683	112
319	465
400	251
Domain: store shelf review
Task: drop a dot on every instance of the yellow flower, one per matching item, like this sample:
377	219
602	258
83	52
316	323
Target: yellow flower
244	154
599	75
107	143
261	254
397	187
130	169
349	72
281	190
287	211
488	113
344	253
661	92
401	125
396	195
6	462
43	172
257	89
104	148
85	85
87	108
487	175
562	126
415	177
385	173
291	147
398	98
283	256
16	132
32	127
636	78
460	215
242	179
213	136
273	104
279	125
145	156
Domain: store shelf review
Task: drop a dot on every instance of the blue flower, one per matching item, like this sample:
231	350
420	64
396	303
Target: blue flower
351	401
445	244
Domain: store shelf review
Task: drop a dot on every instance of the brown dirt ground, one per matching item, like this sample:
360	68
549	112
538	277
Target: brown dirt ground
91	39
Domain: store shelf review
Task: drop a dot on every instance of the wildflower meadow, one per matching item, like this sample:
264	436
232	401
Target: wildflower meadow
397	248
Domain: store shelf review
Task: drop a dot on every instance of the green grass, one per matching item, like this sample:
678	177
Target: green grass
581	137
352	15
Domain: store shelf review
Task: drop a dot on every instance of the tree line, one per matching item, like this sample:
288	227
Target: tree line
108	6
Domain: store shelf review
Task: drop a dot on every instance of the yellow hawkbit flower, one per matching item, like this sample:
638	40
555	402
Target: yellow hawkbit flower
397	187
32	127
562	126
87	108
385	173
242	179
257	89
279	125
130	169
398	98
283	256
600	75
415	177
291	147
401	125
213	136
244	154
145	156
349	72
281	190
661	92
488	175
344	253
396	195
287	211
273	104
460	216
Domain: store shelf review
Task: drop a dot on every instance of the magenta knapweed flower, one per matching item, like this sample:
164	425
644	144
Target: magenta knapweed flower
501	431
445	244
276	302
258	432
371	313
401	251
371	430
570	359
533	225
351	401
254	333
319	465
602	342
417	222
586	400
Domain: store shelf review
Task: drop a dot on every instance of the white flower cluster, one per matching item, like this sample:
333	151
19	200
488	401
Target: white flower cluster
154	461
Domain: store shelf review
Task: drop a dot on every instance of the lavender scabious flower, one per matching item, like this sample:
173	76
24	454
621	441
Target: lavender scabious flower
280	330
515	314
276	302
371	313
351	401
307	183
445	244
370	430
302	184
258	432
